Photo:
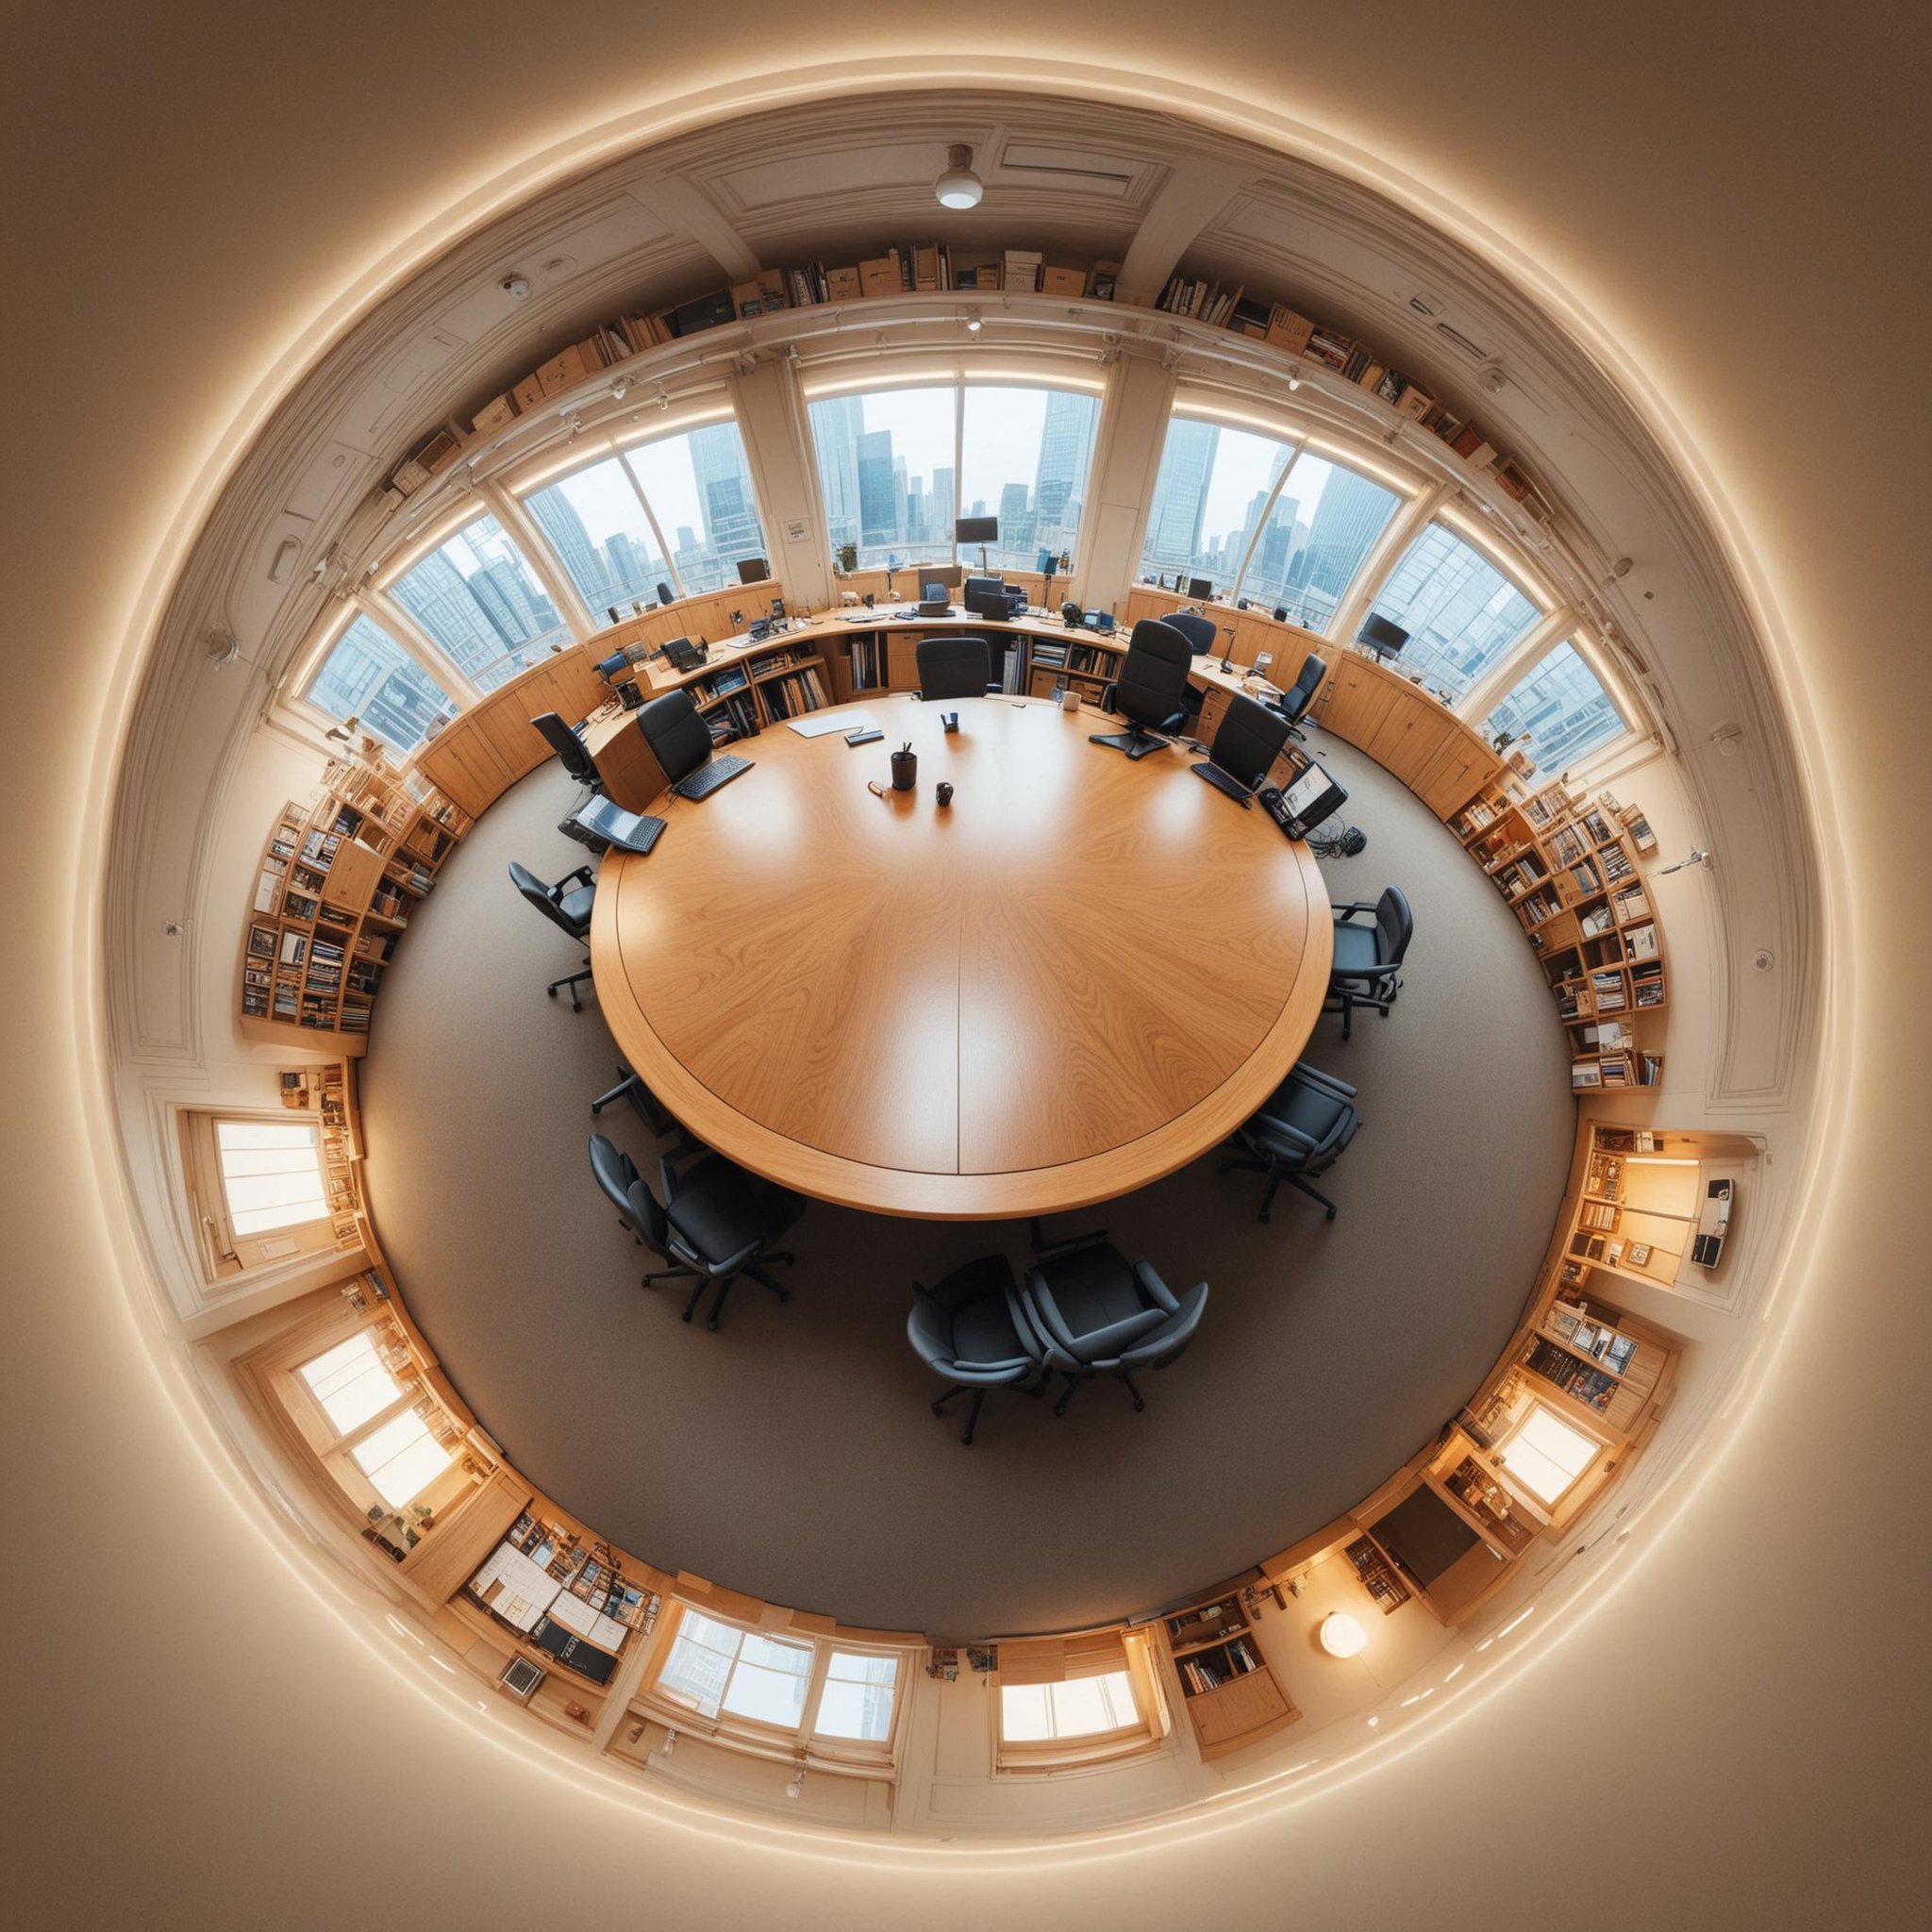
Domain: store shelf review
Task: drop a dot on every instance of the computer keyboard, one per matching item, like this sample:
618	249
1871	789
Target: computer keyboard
712	773
1223	782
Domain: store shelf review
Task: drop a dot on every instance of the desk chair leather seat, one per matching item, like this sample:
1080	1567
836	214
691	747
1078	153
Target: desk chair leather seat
971	1329
675	729
954	667
1149	689
567	904
715	1222
571	750
1199	631
1248	741
1296	699
1300	1131
1093	1313
1368	959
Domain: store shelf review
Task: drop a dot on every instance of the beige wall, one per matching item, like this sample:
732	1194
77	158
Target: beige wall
215	1744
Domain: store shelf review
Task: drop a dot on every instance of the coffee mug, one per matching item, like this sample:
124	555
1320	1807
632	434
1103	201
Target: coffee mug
1071	702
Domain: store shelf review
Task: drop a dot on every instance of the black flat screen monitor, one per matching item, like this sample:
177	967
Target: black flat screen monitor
754	570
1200	587
976	530
1383	638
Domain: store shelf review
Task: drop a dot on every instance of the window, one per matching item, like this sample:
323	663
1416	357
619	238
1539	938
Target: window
477	597
1075	1700
887	468
1561	709
1545	1454
1261	517
271	1175
1462	613
351	1382
368	677
836	1704
698	486
401	1459
1023	457
1081	1707
898	467
595	522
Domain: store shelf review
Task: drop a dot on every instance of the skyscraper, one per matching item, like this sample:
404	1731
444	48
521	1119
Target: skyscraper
878	498
1460	613
555	514
1059	478
837	423
436	595
1180	494
1347	520
725	495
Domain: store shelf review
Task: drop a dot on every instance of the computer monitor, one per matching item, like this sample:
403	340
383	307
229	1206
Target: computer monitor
754	570
1383	638
975	530
1202	587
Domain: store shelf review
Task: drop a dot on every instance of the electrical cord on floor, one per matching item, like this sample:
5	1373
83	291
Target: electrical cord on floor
1343	844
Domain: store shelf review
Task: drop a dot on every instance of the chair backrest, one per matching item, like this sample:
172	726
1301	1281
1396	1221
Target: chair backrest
929	1329
1198	630
1152	682
953	667
1168	1342
1296	701
627	1189
1305	1126
544	900
568	747
1249	740
679	739
1395	923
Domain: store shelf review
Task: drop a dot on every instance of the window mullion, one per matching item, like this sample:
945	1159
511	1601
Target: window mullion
815	1689
522	528
1288	469
1521	658
388	613
1383	555
958	456
650	517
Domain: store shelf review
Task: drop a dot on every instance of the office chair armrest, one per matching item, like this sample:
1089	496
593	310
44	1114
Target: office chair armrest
1349	912
1173	721
1107	691
1265	1124
995	690
584	876
991	1374
1374	969
1179	1325
1155	1288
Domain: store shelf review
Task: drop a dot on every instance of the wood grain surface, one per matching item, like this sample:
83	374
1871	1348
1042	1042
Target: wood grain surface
1076	978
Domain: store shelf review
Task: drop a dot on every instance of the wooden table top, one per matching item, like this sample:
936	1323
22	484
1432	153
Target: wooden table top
1081	976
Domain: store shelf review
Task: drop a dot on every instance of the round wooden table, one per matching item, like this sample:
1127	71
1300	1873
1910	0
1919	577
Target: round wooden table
1074	979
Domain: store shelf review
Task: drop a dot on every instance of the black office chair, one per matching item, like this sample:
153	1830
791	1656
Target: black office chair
570	748
1093	1314
1199	631
642	1102
954	667
680	741
1149	689
566	904
715	1222
1300	1132
1368	959
1245	747
972	1330
1300	695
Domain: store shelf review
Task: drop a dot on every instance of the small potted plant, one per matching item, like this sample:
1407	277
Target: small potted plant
848	558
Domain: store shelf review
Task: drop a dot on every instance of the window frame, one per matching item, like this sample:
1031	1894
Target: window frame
225	1254
1519	1486
1537	648
442	670
802	1743
1033	1758
959	377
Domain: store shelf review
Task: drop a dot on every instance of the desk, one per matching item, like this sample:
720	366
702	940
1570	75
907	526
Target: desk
1079	978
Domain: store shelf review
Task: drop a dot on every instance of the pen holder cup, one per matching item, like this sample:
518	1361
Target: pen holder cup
904	770
1070	701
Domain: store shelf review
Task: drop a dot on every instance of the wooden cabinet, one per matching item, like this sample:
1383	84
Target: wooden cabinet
479	757
1407	731
1229	1691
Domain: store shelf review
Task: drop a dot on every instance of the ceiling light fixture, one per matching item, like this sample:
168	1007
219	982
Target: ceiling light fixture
1343	1635
975	322
959	187
1294	376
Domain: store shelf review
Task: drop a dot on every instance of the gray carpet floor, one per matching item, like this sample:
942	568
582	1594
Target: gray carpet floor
792	1453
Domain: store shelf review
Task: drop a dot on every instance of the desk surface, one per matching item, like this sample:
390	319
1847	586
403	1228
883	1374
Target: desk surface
1083	974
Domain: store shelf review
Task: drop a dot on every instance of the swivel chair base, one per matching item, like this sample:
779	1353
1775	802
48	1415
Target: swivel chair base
1073	1382
572	980
704	1281
1136	744
977	1403
1275	1176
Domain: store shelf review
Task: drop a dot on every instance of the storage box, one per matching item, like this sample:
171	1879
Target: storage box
880	276
842	285
1062	281
1287	330
495	414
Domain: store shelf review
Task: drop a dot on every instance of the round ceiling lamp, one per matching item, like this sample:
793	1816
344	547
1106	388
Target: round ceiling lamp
959	187
1341	1634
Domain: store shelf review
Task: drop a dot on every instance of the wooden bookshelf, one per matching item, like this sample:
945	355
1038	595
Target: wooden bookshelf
336	886
1228	1690
1571	872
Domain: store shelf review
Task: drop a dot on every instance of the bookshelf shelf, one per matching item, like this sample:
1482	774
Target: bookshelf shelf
1228	1688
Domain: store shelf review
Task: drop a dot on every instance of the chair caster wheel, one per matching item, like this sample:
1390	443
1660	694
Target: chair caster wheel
784	1294
684	1318
1330	1214
965	1441
550	992
937	1408
1262	1216
712	1324
1224	1169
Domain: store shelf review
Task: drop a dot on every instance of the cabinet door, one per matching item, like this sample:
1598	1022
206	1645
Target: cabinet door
1412	732
1213	709
1461	767
1357	702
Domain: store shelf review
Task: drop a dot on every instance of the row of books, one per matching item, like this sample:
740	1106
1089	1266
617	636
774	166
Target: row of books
793	695
1590	1386
1210	1669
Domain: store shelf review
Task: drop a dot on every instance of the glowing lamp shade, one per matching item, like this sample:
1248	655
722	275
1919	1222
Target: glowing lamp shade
959	187
1341	1634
